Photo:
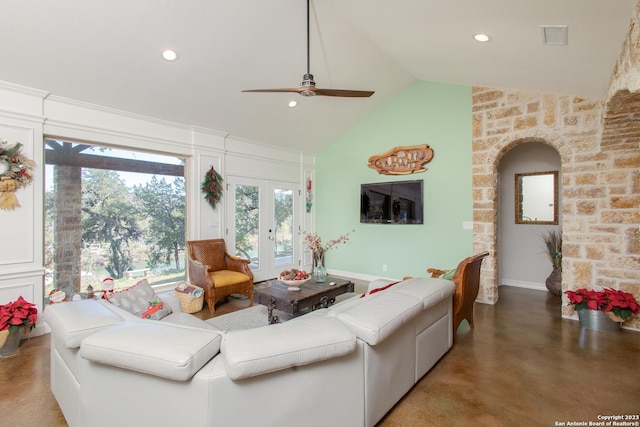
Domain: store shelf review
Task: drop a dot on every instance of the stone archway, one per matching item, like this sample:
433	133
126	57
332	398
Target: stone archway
485	191
600	157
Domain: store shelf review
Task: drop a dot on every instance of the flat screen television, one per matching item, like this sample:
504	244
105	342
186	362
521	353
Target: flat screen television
398	202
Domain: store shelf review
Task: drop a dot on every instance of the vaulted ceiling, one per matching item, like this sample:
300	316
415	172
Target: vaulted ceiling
109	53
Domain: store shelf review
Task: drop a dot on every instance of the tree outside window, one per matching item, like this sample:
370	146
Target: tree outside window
112	213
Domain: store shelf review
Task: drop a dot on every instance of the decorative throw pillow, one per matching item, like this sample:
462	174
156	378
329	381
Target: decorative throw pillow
448	275
141	300
373	291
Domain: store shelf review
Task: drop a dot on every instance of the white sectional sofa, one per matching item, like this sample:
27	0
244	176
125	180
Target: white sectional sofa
342	366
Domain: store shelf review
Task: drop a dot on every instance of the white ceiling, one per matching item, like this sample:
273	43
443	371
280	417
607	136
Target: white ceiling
108	53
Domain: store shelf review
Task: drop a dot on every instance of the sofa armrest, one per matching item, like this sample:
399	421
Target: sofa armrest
251	352
172	300
170	351
73	321
375	317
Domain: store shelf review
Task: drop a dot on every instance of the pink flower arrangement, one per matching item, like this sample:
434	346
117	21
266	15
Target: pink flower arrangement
314	242
619	305
17	314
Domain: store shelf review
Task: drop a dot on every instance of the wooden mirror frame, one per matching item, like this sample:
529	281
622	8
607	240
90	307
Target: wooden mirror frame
519	198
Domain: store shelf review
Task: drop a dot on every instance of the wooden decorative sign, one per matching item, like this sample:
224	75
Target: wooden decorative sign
403	160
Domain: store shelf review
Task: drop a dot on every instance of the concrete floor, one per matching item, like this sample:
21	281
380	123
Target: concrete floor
522	365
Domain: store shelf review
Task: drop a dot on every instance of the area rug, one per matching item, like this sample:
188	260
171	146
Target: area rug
248	318
256	316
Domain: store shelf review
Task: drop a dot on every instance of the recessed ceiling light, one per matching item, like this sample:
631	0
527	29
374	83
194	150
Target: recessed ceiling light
482	38
169	55
293	103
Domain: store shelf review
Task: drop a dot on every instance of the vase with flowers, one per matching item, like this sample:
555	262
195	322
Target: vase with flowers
15	317
602	310
314	244
553	243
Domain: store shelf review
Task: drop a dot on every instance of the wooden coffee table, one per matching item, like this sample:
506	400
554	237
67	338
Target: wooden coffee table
311	296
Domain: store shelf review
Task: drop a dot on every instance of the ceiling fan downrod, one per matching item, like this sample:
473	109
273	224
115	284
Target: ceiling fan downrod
308	86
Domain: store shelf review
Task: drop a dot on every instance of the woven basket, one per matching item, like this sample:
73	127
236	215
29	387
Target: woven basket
189	303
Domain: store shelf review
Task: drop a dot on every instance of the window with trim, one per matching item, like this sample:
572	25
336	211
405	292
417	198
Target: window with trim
111	213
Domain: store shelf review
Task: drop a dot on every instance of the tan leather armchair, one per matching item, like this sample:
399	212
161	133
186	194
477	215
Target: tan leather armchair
210	267
467	280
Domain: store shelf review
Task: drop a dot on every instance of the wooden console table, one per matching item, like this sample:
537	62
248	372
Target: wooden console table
311	296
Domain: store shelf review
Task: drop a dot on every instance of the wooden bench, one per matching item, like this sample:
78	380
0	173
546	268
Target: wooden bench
132	274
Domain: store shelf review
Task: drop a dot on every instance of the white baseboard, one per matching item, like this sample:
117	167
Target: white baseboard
522	284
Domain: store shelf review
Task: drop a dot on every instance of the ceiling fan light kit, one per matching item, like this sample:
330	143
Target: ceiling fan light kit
308	85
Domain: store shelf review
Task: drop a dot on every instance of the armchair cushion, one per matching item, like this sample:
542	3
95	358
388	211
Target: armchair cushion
227	277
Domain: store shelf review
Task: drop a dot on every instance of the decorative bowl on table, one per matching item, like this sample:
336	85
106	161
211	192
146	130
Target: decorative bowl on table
294	278
294	285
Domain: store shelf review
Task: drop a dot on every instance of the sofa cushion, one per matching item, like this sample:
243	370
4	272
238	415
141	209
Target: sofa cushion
157	348
430	290
250	352
378	289
141	300
379	283
377	316
73	321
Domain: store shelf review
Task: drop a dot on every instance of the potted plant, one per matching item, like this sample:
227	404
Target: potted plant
15	317
602	310
553	243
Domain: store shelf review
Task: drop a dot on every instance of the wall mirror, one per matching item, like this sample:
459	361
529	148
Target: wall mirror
537	198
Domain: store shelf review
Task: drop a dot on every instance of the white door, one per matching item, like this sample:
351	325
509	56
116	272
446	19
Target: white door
262	224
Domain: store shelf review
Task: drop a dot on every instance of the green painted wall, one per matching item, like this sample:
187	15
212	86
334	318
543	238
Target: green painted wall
432	113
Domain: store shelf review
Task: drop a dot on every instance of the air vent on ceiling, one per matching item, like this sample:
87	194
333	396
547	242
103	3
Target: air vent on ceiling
554	34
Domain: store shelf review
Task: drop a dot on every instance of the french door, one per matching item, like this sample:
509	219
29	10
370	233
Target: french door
263	223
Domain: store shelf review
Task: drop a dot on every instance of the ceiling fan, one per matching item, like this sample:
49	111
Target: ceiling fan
308	86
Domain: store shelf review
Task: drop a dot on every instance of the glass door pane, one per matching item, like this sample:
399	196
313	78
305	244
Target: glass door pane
262	224
283	226
247	223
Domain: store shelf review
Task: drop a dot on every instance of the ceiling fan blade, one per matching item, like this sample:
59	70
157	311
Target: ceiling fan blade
273	90
344	93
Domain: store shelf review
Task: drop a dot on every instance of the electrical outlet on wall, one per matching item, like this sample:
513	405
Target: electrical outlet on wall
384	267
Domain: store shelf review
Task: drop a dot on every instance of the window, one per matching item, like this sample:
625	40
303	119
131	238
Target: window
113	213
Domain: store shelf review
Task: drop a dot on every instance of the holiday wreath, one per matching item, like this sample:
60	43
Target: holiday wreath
212	187
15	173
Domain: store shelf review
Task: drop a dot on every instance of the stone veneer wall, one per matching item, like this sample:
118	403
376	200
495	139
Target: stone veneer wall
67	229
599	146
626	73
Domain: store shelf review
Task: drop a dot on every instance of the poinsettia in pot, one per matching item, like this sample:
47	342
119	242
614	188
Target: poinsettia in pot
15	317
591	305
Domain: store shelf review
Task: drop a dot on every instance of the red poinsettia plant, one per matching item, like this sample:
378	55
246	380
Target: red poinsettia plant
17	314
619	305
